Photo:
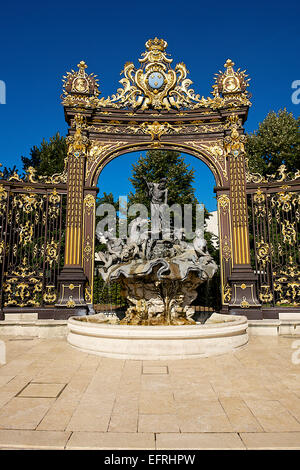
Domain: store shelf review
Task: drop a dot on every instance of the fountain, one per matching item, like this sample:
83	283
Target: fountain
159	271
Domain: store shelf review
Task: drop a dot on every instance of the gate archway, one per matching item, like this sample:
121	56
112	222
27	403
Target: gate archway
106	296
47	223
156	108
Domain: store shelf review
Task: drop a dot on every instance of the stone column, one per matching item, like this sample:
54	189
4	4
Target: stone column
242	280
72	278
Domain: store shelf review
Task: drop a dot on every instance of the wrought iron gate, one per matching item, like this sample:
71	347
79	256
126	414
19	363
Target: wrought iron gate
274	218
32	237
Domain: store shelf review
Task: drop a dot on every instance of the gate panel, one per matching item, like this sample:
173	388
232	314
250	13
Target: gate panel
31	245
274	227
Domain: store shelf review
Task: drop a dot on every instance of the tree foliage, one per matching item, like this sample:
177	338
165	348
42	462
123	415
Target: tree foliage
158	164
49	157
276	142
7	172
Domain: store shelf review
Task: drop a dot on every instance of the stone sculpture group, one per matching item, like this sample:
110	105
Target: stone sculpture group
159	272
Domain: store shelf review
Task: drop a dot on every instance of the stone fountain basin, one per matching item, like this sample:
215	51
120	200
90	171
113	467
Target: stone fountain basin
220	334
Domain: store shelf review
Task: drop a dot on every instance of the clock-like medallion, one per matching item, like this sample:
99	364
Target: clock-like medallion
231	84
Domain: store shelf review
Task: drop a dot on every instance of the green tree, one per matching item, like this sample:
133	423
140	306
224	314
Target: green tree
7	172
276	142
49	157
157	164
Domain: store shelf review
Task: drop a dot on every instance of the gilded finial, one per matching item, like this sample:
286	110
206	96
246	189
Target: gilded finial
82	65
229	63
156	44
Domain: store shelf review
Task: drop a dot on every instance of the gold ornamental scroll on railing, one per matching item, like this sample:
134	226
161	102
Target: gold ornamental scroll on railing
32	219
274	212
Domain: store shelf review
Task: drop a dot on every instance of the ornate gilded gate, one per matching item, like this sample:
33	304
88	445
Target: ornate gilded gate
274	219
154	108
32	240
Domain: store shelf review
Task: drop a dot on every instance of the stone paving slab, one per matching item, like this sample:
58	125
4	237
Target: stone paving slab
199	441
111	441
272	440
39	390
16	439
55	397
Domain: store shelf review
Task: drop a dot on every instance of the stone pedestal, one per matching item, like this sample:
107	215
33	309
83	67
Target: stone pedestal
243	292
160	302
72	282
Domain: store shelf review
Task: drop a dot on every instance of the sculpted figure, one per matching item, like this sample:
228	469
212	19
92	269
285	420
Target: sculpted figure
199	242
139	235
114	248
158	194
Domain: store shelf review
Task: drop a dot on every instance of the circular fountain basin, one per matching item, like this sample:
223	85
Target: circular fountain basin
220	334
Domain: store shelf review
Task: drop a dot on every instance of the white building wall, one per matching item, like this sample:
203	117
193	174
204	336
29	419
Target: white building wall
213	227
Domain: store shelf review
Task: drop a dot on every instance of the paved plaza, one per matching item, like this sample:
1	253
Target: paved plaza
53	396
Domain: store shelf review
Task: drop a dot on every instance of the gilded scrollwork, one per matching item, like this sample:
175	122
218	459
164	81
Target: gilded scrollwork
88	249
259	199
226	248
265	296
244	303
2	249
88	295
289	232
28	202
263	252
70	303
234	143
287	283
281	175
52	252
89	204
15	177
78	143
26	233
3	199
136	128
285	200
227	293
224	203
215	150
54	204
276	217
23	286
50	295
155	84
157	129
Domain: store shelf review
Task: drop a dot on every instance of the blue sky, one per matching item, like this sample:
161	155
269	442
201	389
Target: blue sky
41	41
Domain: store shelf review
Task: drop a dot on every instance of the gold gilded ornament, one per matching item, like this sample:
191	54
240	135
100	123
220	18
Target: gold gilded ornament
156	85
26	233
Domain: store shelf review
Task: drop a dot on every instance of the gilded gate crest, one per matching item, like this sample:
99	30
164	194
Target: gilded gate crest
156	85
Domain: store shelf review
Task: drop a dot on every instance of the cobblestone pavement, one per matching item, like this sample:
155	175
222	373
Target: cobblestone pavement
53	396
